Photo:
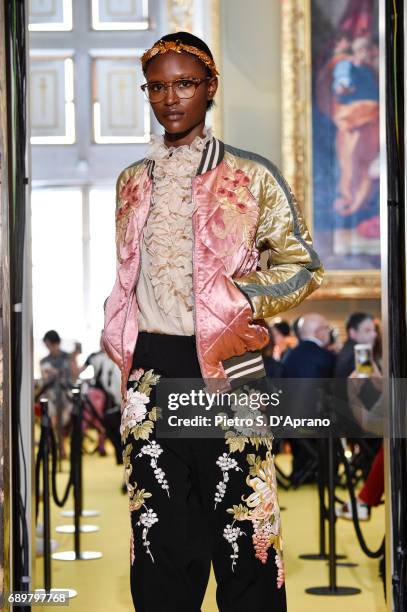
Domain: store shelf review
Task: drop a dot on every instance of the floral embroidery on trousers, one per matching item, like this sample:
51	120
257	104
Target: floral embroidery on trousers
260	508
138	423
246	468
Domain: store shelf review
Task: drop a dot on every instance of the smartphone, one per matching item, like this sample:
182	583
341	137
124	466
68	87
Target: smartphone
364	360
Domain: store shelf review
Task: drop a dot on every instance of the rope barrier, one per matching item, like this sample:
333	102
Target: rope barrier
373	554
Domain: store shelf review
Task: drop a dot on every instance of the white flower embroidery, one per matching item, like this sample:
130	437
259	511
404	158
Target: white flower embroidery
226	463
134	410
231	534
146	520
154	450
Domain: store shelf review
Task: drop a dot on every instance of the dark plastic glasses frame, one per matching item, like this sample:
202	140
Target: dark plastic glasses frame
167	84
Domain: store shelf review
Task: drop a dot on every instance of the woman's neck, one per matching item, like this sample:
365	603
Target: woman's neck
184	138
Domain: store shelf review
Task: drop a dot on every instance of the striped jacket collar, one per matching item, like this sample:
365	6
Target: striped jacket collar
212	155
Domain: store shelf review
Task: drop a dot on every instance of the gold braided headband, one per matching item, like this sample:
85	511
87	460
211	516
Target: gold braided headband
163	46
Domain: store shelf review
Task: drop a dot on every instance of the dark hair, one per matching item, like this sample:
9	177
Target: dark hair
188	39
52	336
283	327
356	319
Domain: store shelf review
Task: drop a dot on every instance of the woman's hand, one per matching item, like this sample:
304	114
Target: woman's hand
358	381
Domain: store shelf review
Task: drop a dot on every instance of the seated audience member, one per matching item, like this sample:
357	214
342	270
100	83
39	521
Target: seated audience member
311	358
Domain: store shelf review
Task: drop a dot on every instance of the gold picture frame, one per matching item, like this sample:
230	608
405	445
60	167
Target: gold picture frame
297	142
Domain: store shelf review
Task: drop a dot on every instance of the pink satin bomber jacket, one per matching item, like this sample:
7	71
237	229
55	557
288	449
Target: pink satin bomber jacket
242	206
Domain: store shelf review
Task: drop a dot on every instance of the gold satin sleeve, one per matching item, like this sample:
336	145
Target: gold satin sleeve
294	270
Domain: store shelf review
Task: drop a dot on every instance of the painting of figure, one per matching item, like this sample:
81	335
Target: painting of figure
345	133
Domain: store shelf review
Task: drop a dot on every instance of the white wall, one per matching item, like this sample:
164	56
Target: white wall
250	43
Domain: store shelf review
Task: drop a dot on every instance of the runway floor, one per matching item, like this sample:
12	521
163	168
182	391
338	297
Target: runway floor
102	585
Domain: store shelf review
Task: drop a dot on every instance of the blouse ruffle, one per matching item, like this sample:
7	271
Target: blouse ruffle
168	234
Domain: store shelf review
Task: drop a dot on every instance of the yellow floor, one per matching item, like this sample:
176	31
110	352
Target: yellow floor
102	584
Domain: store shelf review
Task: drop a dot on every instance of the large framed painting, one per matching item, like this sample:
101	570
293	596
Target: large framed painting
331	146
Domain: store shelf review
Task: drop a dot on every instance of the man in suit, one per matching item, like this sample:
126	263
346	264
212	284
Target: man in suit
310	359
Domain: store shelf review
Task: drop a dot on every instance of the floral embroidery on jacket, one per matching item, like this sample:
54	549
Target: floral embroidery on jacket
128	197
238	210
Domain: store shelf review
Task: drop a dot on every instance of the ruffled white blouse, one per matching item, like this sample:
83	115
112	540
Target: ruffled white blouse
164	289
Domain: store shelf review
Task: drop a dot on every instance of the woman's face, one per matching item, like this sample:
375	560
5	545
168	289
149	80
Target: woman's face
180	115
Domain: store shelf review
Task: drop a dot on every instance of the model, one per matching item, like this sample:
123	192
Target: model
189	301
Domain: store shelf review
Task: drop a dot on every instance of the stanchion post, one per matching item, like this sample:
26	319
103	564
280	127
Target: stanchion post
77	468
331	515
322	555
321	495
84	513
332	588
76	458
77	416
45	435
45	425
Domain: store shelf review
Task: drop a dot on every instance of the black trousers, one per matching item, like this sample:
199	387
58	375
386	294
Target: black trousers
186	503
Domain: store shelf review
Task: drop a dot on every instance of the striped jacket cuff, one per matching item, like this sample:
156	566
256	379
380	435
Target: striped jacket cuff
248	366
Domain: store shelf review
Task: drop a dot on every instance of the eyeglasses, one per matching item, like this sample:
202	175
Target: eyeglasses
183	88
